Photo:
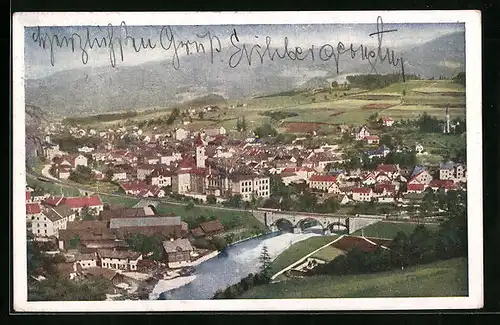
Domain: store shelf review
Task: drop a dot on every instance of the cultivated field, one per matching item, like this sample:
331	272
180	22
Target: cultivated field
327	254
440	279
389	230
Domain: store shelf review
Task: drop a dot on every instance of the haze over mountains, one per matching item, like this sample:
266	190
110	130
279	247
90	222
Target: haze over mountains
157	84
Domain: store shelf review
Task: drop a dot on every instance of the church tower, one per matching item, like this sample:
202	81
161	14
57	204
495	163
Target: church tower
200	152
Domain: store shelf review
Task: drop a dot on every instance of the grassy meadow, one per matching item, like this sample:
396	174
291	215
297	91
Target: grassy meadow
439	279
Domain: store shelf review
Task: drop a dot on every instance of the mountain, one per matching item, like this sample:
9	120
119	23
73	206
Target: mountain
157	84
442	56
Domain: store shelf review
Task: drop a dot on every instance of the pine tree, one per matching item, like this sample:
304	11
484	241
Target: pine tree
265	262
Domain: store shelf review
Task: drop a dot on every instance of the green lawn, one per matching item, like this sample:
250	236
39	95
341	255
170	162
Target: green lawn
51	188
327	254
299	250
440	279
388	230
230	219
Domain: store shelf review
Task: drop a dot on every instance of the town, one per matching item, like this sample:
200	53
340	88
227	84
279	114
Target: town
367	171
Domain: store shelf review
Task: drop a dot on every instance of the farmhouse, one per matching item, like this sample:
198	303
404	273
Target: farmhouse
325	183
362	194
178	252
119	260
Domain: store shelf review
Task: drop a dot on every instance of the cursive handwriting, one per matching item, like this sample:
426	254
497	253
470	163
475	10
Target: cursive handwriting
326	52
115	43
210	44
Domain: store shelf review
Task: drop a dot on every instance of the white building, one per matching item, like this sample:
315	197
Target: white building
248	185
119	260
181	134
50	221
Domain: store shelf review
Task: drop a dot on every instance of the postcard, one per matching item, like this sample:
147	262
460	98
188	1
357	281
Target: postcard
247	161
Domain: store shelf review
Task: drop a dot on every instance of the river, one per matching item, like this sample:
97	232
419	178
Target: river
233	264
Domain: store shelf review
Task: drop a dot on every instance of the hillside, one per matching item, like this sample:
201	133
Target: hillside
98	90
440	279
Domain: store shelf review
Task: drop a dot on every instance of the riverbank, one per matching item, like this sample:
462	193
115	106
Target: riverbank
253	237
167	285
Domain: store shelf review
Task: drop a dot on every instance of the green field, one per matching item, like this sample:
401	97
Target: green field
51	188
440	279
298	251
332	108
230	219
388	230
126	202
327	254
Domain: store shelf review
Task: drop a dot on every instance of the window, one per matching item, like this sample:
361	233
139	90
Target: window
45	230
45	225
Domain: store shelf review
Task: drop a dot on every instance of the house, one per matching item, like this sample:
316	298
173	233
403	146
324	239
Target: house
33	210
178	252
216	131
150	225
181	134
362	194
372	139
50	221
362	133
391	170
369	179
85	261
212	228
327	183
445	184
387	121
248	185
93	204
63	172
29	198
453	171
415	188
134	187
119	260
85	149
104	273
420	176
145	170
161	177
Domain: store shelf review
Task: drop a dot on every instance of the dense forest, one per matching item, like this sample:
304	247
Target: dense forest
375	81
99	118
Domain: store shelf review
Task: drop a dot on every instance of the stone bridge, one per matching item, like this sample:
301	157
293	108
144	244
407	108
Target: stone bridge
272	218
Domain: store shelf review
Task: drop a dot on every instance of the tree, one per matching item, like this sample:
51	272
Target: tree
234	201
211	199
189	206
74	242
335	84
81	174
265	130
265	262
201	115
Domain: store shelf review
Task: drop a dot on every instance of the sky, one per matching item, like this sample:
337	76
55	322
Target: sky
41	60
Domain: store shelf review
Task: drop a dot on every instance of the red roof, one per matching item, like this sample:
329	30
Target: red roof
187	163
371	137
82	201
387	187
134	186
387	119
442	183
416	187
323	178
386	168
33	208
290	170
54	201
198	171
197	141
361	190
28	196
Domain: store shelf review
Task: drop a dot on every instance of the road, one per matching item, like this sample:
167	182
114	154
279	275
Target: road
46	174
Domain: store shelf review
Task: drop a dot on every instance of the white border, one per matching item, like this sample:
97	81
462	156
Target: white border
472	20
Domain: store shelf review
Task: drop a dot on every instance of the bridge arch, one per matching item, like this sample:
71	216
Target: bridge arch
304	220
337	226
283	224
